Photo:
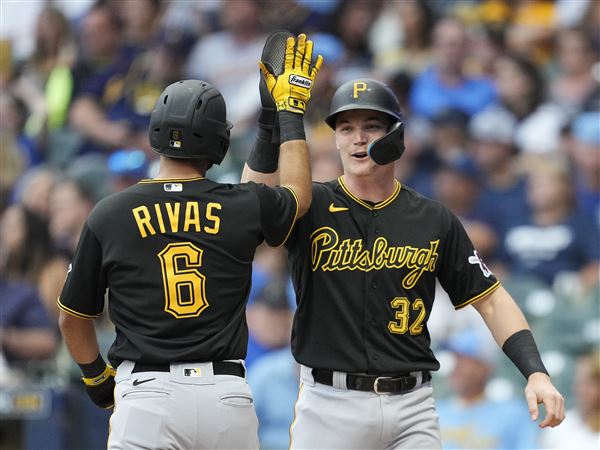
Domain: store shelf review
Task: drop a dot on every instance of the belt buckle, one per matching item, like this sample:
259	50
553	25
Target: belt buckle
376	385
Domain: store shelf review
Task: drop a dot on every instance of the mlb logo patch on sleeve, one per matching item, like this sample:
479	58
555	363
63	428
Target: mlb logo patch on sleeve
173	187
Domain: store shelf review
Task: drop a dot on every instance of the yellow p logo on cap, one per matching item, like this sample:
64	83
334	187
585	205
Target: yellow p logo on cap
359	86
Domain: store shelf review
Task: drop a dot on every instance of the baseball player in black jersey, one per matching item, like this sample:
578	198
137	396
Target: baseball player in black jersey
364	262
174	256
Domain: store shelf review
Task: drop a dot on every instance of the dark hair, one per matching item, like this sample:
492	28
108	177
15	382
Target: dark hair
40	53
429	20
104	6
26	263
538	87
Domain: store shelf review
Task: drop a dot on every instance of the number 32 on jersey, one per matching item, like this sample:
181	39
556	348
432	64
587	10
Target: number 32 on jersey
404	312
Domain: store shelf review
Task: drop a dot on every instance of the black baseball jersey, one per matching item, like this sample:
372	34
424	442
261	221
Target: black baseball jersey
364	276
176	258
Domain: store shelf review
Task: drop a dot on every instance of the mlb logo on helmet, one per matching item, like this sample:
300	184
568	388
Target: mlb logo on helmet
175	138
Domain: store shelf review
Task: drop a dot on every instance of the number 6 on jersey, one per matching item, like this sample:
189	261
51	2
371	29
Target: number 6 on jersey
185	294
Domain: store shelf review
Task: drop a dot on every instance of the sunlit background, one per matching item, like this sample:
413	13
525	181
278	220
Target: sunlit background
501	104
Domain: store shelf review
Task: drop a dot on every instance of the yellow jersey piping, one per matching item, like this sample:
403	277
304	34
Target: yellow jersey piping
170	180
295	216
72	312
379	205
488	291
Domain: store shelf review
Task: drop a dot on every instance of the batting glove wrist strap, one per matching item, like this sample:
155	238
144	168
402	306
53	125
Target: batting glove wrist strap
94	368
523	352
99	387
291	127
264	156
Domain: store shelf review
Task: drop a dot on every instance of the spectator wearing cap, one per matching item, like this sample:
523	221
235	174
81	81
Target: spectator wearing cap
445	84
584	150
269	315
470	418
449	134
456	184
127	167
503	184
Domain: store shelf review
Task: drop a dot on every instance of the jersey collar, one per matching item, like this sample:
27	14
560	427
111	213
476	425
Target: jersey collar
170	180
383	204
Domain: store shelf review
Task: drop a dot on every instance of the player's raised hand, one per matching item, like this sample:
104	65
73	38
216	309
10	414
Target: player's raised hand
291	89
540	390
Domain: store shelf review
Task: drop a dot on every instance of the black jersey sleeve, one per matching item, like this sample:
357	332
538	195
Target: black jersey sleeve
300	235
462	273
278	213
83	292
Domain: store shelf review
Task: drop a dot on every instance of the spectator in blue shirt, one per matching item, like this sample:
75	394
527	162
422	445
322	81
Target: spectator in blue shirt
472	420
585	153
274	380
99	76
25	329
269	315
503	185
446	85
555	238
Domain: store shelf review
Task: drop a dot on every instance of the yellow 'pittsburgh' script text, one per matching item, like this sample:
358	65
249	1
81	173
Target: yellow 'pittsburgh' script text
329	254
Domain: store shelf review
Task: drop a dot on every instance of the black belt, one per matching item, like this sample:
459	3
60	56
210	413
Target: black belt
396	384
219	368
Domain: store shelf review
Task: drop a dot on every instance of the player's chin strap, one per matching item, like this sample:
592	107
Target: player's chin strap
388	148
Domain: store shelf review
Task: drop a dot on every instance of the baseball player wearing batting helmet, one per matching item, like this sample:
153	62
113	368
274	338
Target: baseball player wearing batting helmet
364	260
175	260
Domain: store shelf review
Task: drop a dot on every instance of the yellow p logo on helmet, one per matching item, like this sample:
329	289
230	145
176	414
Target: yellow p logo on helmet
359	86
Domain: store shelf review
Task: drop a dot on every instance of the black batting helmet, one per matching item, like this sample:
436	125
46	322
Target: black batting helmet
189	122
364	93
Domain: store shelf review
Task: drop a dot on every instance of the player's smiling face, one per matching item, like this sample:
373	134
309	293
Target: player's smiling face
354	130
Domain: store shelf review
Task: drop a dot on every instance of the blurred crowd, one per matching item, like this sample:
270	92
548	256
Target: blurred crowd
501	100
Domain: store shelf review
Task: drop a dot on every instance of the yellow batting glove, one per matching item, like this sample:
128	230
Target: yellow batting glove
291	89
